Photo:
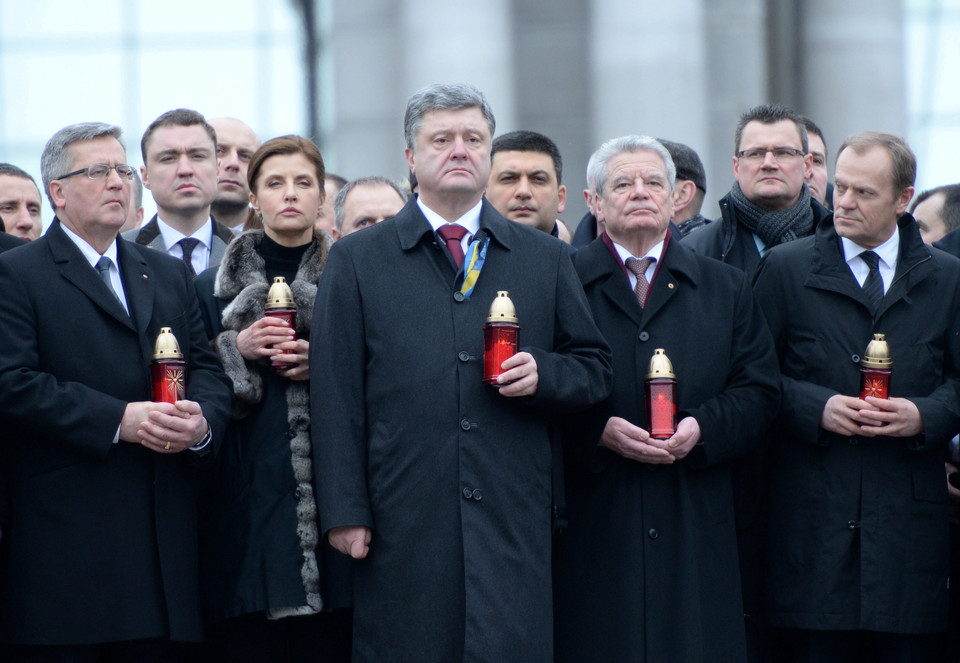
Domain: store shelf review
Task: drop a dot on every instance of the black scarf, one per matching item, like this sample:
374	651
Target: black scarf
774	227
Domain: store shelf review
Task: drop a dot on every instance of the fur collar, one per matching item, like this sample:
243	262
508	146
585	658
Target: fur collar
242	278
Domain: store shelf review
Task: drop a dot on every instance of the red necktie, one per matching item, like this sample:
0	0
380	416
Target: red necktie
452	234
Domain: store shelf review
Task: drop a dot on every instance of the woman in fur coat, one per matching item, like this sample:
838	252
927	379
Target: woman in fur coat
271	590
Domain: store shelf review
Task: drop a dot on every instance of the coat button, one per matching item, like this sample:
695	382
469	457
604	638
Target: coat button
298	494
458	296
467	493
644	336
653	533
853	524
476	494
855	359
465	424
854	441
464	356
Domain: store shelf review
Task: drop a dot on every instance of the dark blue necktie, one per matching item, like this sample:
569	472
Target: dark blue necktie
188	244
873	285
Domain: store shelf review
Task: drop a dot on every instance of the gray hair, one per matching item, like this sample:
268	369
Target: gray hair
55	161
597	167
137	189
372	180
443	96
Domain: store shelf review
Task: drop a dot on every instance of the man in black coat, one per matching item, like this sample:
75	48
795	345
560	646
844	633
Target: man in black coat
858	537
769	204
440	484
102	505
647	570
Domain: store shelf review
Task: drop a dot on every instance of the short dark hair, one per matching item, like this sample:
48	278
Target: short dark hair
950	210
529	141
770	114
16	171
338	180
812	128
371	180
688	163
904	161
179	117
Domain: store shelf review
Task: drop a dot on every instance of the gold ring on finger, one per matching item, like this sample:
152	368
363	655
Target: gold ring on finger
167	447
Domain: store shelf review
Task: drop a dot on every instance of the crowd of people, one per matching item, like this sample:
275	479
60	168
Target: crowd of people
691	455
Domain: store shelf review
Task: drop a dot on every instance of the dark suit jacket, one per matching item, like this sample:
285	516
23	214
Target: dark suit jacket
102	536
9	242
454	478
149	236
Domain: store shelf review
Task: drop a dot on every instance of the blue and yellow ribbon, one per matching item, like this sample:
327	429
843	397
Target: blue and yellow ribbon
476	254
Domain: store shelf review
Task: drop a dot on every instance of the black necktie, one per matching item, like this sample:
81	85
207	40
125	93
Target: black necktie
873	285
188	244
103	267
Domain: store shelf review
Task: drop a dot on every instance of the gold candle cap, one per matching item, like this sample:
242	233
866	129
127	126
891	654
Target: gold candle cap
660	366
167	346
280	295
877	354
502	309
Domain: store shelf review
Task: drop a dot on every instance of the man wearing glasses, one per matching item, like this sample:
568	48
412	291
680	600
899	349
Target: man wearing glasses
99	481
769	204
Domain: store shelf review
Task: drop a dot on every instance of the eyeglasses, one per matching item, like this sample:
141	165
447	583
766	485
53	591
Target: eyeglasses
781	154
99	171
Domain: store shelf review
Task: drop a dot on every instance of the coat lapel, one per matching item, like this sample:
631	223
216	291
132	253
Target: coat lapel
75	268
139	282
679	269
597	265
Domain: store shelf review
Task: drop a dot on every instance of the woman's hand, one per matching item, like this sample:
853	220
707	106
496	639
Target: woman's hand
261	338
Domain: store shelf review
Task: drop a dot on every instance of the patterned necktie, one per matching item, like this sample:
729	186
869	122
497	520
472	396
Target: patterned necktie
452	234
103	267
873	285
639	268
188	244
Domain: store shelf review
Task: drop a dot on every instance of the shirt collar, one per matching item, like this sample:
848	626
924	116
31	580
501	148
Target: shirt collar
470	220
171	235
655	252
90	253
887	252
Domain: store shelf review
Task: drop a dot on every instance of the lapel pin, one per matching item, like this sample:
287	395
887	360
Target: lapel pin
670	285
145	276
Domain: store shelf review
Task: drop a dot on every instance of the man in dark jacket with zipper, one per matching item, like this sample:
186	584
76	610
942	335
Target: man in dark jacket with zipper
857	546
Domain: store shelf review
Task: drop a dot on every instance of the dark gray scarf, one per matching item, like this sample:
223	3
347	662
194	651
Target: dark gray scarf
774	227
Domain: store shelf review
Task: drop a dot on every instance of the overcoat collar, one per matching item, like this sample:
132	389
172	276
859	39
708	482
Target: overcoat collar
829	270
138	280
412	226
598	266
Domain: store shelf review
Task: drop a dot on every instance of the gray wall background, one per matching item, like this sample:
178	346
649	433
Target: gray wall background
583	71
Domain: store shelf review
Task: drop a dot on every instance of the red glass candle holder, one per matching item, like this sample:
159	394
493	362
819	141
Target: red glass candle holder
874	382
289	317
876	368
661	396
660	391
168	378
280	304
500	341
501	336
168	370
